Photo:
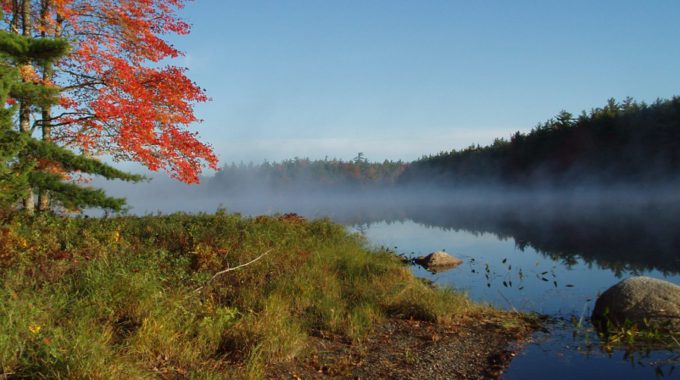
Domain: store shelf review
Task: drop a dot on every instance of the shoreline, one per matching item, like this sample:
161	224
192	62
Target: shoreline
479	346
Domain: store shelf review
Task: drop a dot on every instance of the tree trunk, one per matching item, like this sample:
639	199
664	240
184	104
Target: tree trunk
14	25
48	73
44	195
24	108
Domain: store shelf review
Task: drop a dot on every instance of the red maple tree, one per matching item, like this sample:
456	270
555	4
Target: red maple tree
119	95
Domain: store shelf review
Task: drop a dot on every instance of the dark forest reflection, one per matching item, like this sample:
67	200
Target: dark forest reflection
631	238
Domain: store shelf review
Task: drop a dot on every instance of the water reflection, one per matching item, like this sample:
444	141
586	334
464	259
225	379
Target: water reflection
621	238
499	270
563	355
553	261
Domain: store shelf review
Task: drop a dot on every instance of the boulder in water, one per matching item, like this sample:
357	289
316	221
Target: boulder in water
644	301
438	261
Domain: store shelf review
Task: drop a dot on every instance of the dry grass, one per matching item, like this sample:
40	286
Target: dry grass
114	298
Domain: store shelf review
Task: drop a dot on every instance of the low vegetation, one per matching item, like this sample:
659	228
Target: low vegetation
136	297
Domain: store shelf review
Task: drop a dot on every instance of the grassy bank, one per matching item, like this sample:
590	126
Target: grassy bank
135	297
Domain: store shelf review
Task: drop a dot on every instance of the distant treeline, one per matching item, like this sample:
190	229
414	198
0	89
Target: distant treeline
305	173
618	143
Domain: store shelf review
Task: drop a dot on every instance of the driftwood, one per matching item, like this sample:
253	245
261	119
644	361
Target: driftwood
231	270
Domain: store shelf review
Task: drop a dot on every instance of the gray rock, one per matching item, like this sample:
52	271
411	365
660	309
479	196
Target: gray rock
645	301
438	261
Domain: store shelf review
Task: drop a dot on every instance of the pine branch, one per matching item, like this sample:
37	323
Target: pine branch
73	162
73	196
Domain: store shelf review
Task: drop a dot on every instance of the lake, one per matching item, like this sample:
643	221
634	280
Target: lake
551	259
504	273
546	253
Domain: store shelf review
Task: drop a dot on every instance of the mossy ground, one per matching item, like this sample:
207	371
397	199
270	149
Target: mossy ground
116	297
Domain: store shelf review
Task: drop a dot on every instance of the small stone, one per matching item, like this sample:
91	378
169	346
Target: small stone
438	261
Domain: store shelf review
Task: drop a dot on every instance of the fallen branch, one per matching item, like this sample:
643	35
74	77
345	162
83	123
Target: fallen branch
508	301
232	269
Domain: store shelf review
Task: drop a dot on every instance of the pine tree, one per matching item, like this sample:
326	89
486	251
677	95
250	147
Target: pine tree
13	177
25	162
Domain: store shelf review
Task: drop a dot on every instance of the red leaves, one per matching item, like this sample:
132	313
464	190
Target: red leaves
115	101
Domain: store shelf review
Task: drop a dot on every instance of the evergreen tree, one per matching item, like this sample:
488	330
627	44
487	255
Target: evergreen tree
27	163
621	143
13	177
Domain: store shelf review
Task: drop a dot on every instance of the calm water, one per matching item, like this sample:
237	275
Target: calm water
499	271
553	262
539	253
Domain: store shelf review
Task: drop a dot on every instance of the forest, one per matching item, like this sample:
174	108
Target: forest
304	173
624	142
621	143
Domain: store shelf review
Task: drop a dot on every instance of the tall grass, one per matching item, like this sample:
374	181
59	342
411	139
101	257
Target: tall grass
116	297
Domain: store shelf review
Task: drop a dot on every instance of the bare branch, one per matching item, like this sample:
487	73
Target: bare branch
83	85
73	121
70	114
232	269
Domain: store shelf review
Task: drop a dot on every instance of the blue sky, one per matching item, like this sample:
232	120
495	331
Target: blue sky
399	79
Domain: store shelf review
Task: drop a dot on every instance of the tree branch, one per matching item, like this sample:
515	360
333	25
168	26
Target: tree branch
83	85
72	121
232	269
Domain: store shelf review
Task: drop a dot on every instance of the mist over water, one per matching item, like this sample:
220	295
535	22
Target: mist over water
622	227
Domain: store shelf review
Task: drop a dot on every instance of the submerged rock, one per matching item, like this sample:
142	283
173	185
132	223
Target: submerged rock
438	261
645	301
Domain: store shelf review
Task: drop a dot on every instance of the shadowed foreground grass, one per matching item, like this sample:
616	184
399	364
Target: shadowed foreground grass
116	298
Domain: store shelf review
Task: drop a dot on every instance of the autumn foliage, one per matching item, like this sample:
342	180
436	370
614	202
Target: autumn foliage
120	96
